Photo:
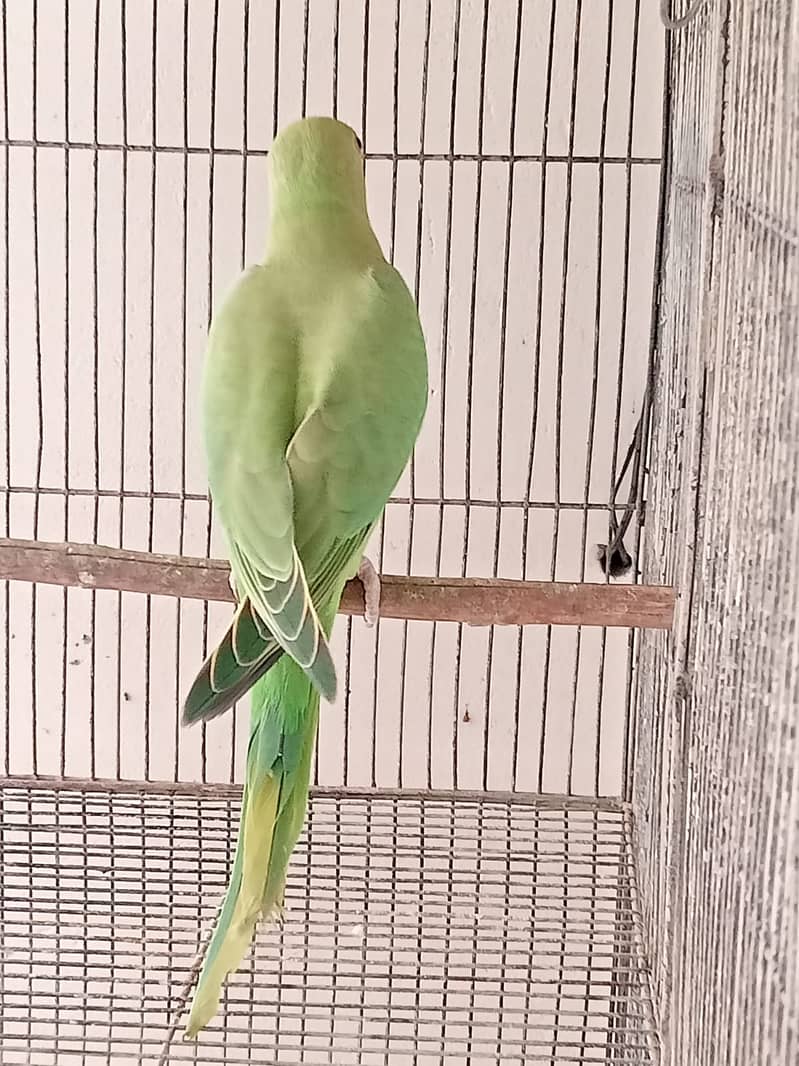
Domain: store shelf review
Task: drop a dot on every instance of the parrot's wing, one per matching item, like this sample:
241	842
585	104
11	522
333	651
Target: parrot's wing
248	649
243	655
250	402
286	608
351	448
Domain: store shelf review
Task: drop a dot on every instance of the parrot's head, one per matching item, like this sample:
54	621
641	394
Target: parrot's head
319	159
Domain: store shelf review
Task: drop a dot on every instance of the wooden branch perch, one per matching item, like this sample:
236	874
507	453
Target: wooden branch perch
475	601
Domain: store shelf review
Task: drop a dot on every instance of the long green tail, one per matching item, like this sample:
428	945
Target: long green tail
285	714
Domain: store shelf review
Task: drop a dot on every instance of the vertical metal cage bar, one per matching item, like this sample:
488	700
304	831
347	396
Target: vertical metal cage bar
7	383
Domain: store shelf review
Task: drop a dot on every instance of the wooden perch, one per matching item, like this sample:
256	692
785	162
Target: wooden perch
475	601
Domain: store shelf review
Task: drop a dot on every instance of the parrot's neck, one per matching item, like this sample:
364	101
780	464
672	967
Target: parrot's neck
319	229
315	186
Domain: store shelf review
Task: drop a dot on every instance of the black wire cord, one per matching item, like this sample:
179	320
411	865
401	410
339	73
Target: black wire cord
613	557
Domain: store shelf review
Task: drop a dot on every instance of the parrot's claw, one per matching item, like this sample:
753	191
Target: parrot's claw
369	578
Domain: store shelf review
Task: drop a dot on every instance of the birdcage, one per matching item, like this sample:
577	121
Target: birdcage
555	818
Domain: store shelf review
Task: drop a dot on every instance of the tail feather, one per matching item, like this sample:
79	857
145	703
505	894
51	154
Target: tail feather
283	733
291	817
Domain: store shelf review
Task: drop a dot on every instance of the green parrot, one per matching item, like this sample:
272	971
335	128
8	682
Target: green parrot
315	386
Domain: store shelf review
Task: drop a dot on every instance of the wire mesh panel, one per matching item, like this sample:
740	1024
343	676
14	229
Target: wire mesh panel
418	931
513	158
717	792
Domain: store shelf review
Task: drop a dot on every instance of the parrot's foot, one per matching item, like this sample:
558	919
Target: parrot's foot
232	582
369	578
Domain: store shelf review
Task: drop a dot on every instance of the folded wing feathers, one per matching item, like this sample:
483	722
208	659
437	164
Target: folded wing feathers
286	610
250	647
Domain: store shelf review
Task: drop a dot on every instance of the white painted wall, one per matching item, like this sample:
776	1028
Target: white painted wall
134	248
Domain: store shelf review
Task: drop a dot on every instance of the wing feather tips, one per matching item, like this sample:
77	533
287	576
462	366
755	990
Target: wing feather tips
244	654
202	703
287	609
249	648
323	675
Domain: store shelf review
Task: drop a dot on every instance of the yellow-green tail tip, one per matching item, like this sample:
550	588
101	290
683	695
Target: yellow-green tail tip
201	1014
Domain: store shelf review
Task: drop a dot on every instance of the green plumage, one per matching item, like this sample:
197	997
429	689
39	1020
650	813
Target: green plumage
315	387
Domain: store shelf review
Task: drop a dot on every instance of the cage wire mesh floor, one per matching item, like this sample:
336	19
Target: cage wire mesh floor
427	929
